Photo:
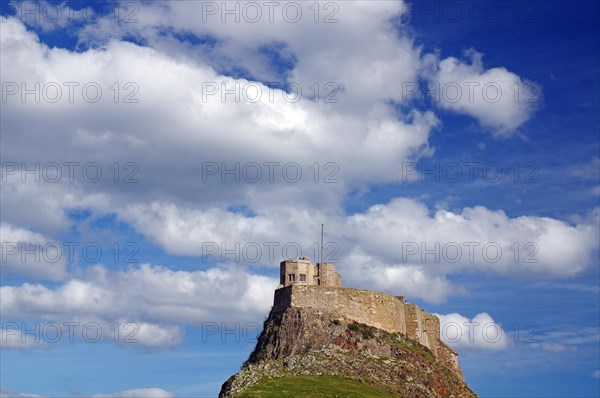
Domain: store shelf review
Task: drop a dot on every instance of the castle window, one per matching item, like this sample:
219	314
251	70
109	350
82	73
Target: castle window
302	278
292	277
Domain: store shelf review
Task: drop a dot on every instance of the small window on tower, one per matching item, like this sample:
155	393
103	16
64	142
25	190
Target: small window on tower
302	278
292	277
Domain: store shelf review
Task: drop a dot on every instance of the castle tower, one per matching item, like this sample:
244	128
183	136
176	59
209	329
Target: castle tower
328	276
304	272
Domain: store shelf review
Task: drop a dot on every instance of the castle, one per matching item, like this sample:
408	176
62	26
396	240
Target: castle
318	286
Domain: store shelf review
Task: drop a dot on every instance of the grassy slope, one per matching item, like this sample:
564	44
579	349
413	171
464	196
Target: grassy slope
312	386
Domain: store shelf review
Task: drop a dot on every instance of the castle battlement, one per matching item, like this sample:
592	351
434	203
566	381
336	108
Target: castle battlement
321	289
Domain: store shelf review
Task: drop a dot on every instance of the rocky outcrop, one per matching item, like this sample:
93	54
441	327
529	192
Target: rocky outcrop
306	341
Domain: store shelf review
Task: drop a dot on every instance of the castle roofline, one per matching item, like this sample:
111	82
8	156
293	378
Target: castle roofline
297	260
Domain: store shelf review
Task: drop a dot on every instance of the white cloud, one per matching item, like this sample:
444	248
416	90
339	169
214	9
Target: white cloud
187	231
497	98
362	51
41	205
596	374
546	246
31	254
411	280
402	231
11	338
364	54
157	302
401	246
173	116
479	333
137	393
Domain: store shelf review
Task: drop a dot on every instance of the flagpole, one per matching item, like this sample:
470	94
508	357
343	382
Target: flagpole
321	243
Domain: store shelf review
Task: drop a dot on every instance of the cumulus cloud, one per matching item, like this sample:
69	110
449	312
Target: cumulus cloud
27	204
403	239
479	333
412	245
359	50
138	392
497	98
150	303
175	115
411	280
190	231
476	238
404	231
31	254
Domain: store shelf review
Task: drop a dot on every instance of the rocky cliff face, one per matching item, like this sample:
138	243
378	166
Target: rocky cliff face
305	341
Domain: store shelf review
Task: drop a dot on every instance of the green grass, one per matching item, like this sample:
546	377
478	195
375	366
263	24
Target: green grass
312	386
353	327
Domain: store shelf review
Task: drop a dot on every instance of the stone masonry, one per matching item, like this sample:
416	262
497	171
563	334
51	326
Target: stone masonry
303	272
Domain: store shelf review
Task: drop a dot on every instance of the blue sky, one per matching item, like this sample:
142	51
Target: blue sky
162	215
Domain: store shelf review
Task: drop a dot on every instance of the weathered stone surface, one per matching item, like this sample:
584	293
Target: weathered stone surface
313	341
303	272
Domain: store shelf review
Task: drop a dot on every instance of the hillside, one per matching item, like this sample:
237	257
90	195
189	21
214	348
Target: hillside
312	386
302	348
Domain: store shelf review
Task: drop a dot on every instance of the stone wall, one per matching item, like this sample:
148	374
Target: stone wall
449	357
364	306
422	326
413	321
383	311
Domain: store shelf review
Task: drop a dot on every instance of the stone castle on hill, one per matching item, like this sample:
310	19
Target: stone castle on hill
318	286
321	329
